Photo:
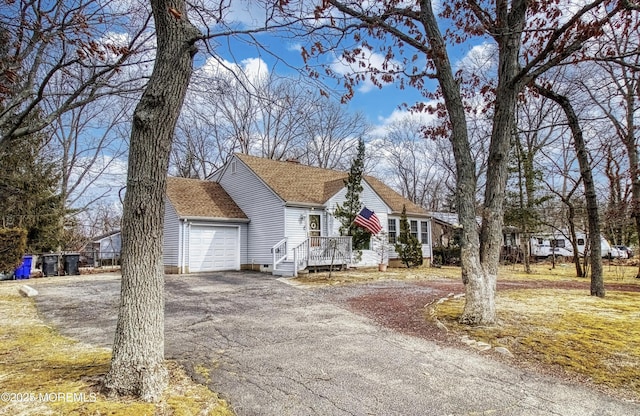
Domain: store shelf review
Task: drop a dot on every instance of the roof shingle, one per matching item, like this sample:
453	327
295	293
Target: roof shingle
294	182
197	198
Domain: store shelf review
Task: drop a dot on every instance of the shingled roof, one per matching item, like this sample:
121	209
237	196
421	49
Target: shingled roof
194	198
393	199
295	182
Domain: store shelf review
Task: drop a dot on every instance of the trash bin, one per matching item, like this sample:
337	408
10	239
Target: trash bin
70	263
24	271
49	264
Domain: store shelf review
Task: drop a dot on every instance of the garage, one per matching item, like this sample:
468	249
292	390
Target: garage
213	248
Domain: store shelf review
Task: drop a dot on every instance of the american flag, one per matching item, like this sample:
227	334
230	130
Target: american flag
368	220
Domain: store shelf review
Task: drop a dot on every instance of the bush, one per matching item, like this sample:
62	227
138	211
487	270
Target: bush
13	244
408	247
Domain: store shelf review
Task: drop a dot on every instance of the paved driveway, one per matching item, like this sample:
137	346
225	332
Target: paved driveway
275	349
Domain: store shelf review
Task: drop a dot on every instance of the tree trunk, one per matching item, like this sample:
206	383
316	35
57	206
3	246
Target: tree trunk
571	217
137	365
479	285
597	282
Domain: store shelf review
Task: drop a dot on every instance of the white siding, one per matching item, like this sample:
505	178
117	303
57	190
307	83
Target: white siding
110	247
171	242
372	201
262	206
295	227
426	245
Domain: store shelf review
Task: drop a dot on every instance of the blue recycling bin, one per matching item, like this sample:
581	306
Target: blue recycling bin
24	271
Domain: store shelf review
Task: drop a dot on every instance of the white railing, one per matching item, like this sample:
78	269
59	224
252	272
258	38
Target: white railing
279	252
324	251
314	251
301	256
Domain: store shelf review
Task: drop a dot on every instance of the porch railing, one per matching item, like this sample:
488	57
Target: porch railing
279	252
301	256
324	251
314	251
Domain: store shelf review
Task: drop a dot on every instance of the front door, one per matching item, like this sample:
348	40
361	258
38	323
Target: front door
314	229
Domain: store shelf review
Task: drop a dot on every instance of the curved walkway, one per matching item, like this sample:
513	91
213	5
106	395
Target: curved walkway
274	349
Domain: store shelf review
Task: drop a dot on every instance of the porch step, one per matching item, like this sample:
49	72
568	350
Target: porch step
286	268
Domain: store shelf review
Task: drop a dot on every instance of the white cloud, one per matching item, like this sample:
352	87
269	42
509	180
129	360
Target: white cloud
481	59
383	123
251	69
103	179
371	61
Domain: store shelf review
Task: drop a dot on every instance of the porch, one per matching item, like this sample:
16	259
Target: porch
313	252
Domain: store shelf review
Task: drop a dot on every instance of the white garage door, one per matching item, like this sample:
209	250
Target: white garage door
213	248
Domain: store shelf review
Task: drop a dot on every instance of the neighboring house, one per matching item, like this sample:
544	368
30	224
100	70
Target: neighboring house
107	247
282	212
444	228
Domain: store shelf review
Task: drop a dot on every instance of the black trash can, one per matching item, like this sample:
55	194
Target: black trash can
49	264
70	263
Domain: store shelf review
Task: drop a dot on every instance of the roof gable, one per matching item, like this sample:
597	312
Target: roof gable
294	182
394	200
198	198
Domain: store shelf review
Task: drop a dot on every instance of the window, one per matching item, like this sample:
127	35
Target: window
558	242
314	225
414	228
233	167
424	232
580	241
391	225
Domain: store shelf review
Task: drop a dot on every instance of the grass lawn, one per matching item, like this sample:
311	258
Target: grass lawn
44	373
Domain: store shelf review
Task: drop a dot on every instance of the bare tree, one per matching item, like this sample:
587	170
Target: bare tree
55	58
282	115
412	164
88	141
614	88
526	48
332	134
137	364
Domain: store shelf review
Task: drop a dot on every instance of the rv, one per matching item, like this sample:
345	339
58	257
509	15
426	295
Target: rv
546	245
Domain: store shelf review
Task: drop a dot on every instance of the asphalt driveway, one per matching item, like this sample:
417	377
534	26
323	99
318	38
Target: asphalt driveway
271	348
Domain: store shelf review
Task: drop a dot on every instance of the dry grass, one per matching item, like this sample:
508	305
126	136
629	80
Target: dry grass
59	376
613	273
586	336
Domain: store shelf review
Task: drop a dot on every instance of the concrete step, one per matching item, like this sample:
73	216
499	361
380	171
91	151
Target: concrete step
286	268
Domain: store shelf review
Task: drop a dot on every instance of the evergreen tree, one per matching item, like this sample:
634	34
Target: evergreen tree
29	194
347	212
407	246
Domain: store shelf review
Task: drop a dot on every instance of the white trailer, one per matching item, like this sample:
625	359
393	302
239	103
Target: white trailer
544	245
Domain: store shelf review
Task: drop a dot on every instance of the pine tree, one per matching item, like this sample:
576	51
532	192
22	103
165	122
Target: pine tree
346	213
28	189
408	247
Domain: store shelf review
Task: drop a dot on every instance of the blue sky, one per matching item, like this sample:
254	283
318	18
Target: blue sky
283	56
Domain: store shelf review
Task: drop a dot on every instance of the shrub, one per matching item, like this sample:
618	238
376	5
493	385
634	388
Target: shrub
408	247
13	244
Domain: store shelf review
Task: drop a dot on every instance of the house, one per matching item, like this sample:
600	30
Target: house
274	216
106	248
